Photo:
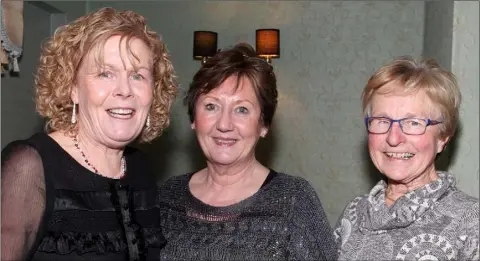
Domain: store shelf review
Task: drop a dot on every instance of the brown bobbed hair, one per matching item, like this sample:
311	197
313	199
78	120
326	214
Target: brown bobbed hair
410	76
62	54
240	61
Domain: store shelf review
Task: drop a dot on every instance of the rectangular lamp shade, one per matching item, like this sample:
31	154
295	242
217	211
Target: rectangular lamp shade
204	44
268	43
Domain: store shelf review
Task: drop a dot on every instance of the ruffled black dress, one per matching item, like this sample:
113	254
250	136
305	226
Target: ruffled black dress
55	209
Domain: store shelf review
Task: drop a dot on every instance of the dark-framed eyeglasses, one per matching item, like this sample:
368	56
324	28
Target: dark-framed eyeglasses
410	126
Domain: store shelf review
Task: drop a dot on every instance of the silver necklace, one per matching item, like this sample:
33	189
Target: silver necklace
123	164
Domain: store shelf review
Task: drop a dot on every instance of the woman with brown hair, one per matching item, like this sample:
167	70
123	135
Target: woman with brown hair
236	208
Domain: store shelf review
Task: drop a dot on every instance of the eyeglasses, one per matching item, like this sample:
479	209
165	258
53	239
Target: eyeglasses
410	126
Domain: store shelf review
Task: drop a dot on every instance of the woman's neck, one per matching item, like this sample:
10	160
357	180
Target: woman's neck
396	189
222	186
229	176
103	160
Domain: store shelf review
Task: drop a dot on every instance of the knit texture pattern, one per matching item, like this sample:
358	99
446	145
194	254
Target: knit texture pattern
284	220
434	222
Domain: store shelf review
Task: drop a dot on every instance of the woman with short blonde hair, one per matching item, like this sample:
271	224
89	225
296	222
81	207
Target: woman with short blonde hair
416	213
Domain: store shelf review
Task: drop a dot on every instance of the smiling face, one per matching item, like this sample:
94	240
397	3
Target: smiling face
114	98
227	122
401	157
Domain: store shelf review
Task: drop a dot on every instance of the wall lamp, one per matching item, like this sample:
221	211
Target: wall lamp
204	45
267	43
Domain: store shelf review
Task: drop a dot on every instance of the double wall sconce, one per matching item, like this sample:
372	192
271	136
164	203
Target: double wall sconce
204	45
267	44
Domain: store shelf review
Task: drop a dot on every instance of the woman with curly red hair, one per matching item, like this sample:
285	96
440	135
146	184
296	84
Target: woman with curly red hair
78	192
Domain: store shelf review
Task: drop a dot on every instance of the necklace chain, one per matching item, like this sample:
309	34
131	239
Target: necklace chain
123	166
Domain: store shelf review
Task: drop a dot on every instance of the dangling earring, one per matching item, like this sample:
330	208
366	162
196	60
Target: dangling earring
74	113
147	124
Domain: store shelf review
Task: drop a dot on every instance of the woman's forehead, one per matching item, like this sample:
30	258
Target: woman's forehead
404	104
123	51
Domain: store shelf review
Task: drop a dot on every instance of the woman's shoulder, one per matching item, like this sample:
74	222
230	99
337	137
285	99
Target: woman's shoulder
354	205
174	184
295	185
175	181
462	198
22	150
459	204
290	180
136	154
40	143
141	170
174	190
22	165
291	187
137	159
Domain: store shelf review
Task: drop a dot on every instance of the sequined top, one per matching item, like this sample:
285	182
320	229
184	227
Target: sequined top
434	222
55	209
283	220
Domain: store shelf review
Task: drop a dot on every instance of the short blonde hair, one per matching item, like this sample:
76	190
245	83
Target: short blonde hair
439	85
62	54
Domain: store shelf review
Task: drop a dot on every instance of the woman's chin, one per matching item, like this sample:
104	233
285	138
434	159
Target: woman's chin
119	140
395	175
224	160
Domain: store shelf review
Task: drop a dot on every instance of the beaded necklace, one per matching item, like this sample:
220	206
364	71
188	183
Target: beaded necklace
123	166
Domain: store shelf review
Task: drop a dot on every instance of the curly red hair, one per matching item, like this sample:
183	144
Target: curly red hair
62	54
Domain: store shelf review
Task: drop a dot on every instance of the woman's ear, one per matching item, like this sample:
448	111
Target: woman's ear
74	94
263	132
442	143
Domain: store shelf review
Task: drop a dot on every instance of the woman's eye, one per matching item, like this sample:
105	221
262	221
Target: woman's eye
105	74
415	122
242	110
210	107
138	76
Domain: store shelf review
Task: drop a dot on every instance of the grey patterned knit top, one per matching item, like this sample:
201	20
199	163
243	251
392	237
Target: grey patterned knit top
284	220
434	222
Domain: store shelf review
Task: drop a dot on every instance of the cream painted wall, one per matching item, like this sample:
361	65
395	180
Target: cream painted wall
329	49
451	36
438	32
465	65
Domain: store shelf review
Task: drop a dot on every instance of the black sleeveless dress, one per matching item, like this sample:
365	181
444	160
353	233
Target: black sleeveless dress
90	217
